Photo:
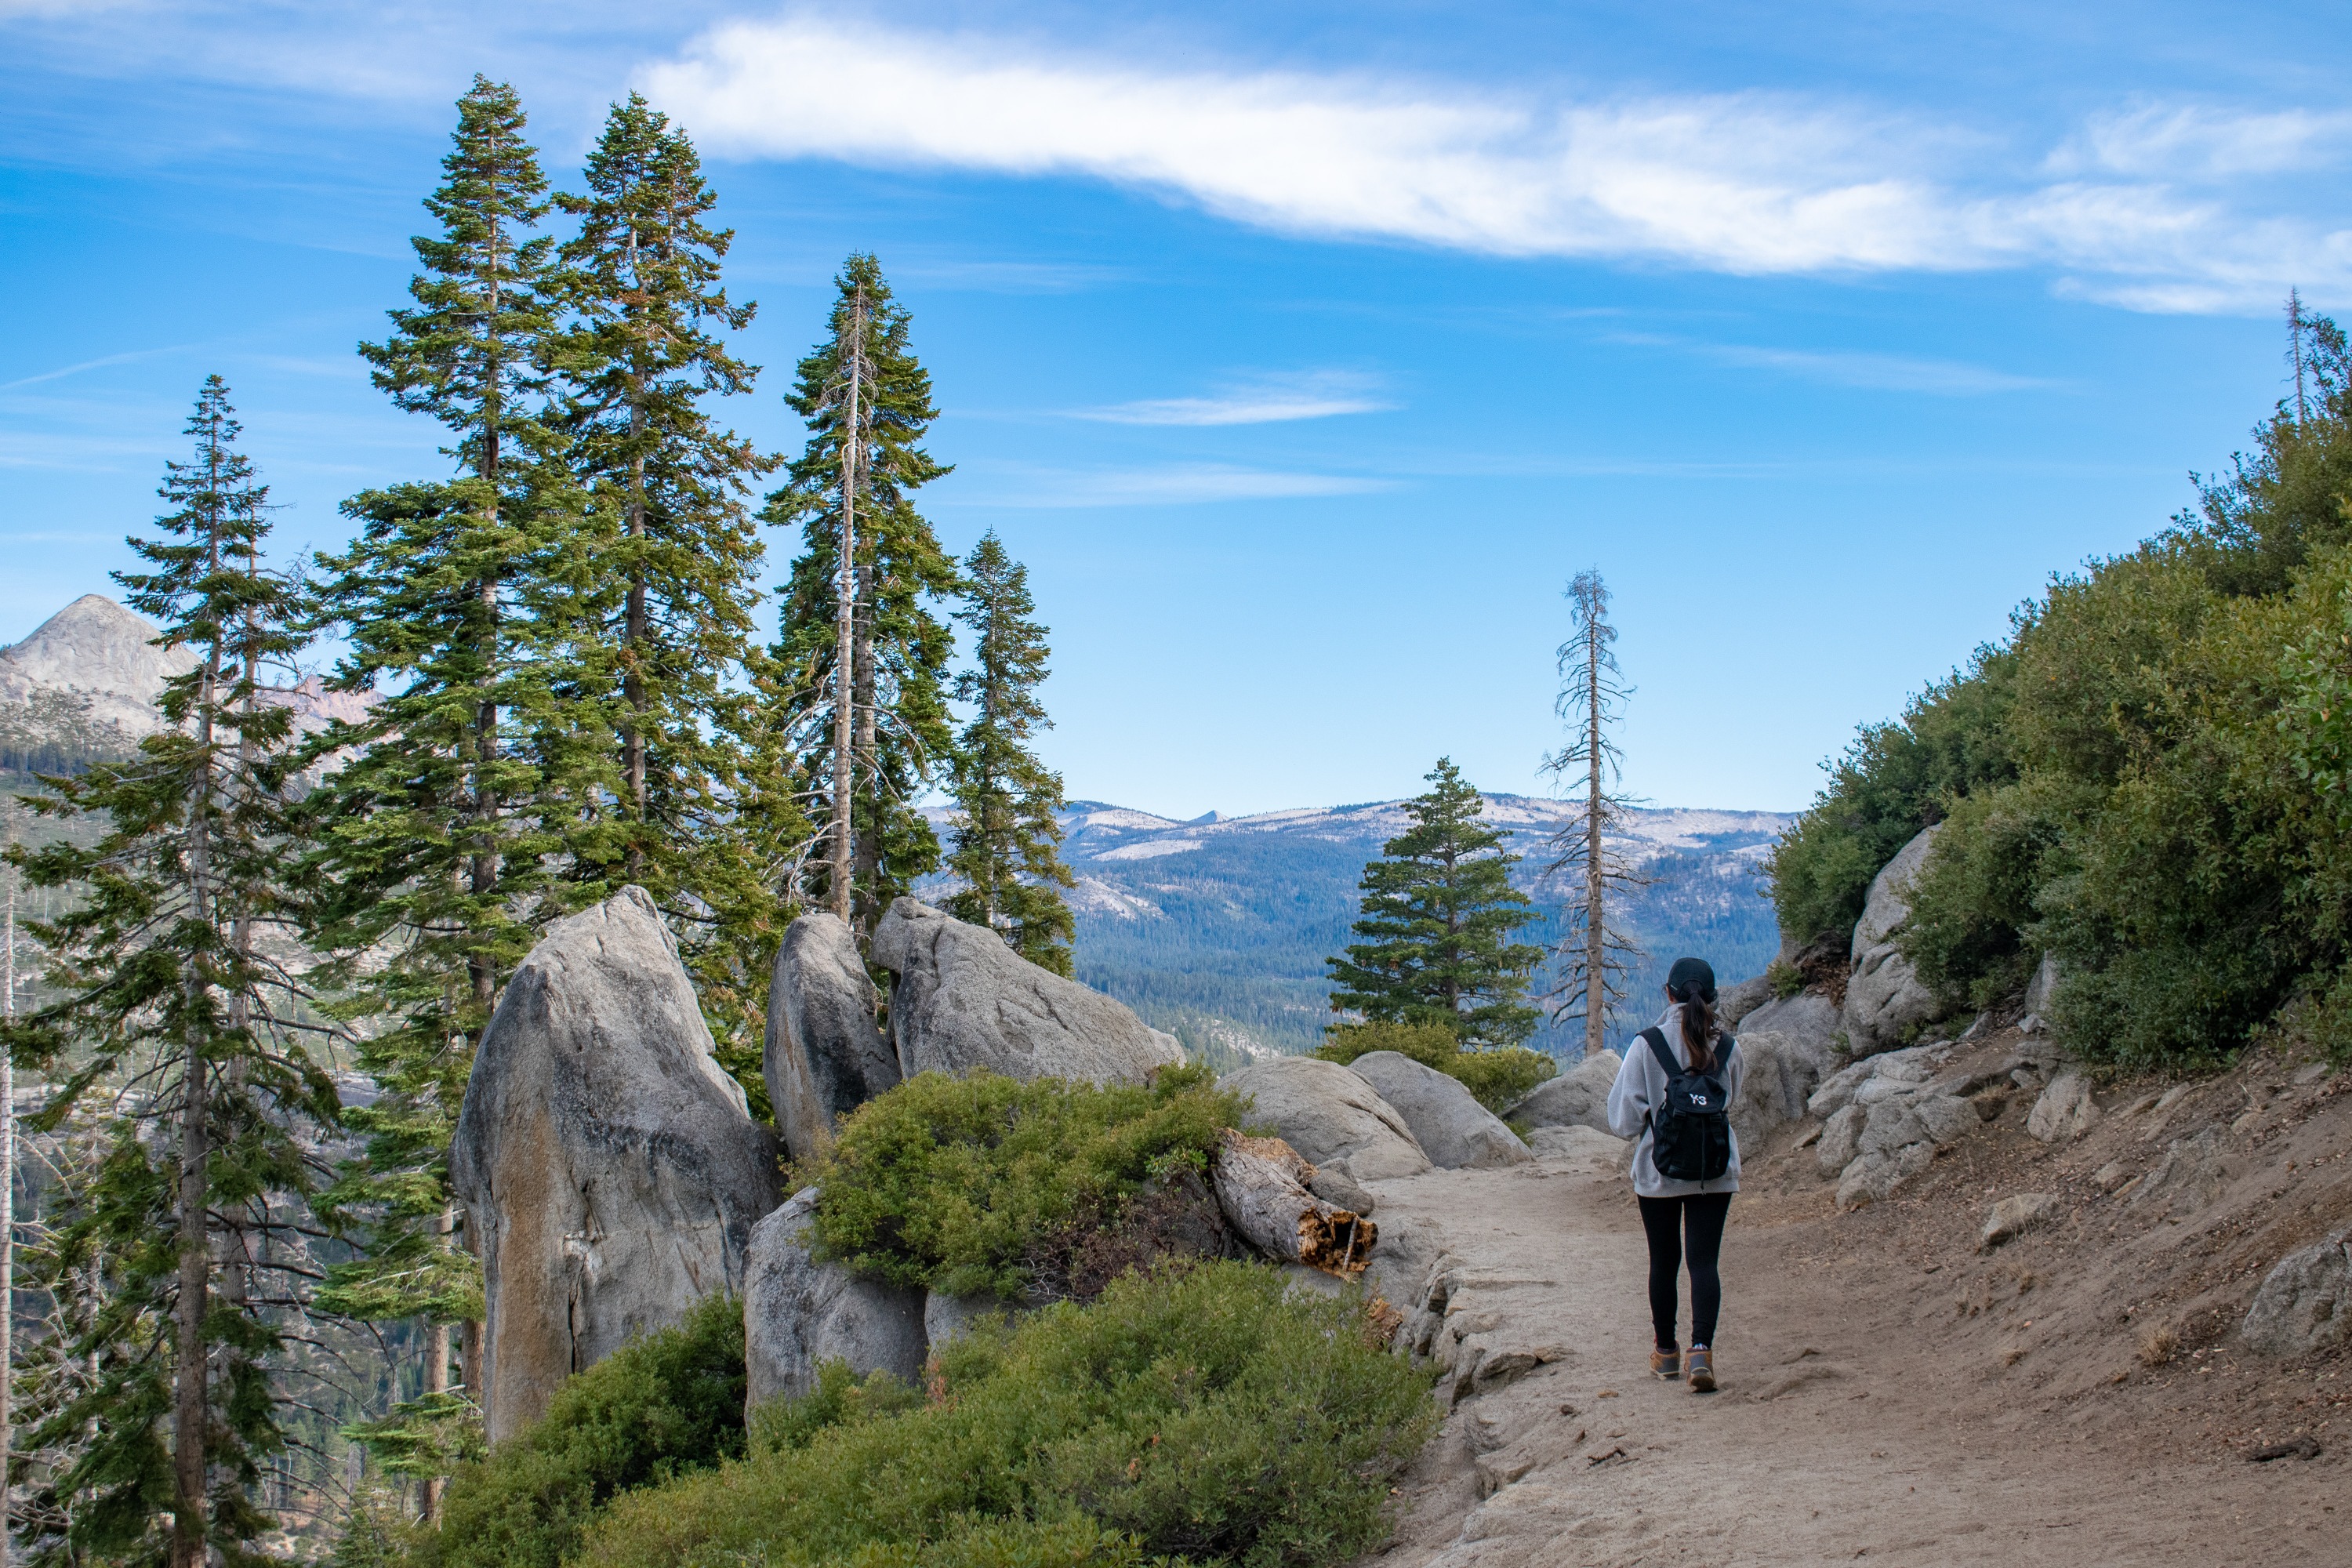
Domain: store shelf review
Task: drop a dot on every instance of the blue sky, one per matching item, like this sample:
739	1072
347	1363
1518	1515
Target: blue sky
1304	352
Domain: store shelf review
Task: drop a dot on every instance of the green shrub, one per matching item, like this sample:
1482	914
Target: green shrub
660	1408
983	1184
1499	1076
1973	913
1195	1411
1785	979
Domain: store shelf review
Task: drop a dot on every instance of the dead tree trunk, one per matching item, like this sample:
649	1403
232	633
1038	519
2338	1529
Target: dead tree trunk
1261	1184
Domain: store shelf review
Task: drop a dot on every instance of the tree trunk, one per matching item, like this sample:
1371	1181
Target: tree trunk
436	1381
844	614
1261	1184
633	639
1596	932
867	872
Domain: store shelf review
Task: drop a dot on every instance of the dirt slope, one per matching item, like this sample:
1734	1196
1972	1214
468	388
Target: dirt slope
2075	1396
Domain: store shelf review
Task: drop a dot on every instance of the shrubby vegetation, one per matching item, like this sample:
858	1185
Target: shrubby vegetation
1195	1414
2147	780
988	1184
660	1408
1498	1077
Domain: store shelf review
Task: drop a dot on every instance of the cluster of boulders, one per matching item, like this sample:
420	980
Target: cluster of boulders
613	1173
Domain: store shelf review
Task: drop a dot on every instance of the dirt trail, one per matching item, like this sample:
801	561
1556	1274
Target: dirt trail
1848	1426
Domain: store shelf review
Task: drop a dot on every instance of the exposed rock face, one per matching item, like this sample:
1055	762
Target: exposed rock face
948	1318
1792	1048
2042	988
963	1000
2065	1111
1328	1114
825	1055
1577	1098
1737	1002
799	1313
2191	1175
2306	1301
1883	995
607	1163
1453	1128
100	651
1886	1118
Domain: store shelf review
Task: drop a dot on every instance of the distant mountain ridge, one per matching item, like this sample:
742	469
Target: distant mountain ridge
87	685
1217	928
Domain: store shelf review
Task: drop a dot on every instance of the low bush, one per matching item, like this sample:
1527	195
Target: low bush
660	1408
1499	1076
1196	1413
990	1185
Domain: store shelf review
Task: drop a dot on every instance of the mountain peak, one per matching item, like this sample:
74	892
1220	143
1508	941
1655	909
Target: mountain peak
98	649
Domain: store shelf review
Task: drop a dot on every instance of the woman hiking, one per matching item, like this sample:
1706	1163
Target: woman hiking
1686	1165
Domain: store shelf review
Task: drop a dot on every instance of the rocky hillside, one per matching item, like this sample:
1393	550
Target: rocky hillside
86	684
1216	928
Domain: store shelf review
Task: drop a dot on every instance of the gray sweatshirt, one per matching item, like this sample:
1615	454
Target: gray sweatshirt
1641	1088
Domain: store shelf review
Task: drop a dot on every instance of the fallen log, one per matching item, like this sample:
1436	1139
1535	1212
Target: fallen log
1261	1184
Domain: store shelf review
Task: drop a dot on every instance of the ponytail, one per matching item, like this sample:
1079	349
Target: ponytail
1699	1028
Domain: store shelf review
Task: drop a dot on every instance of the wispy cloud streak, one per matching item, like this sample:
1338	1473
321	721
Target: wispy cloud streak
1270	400
1750	183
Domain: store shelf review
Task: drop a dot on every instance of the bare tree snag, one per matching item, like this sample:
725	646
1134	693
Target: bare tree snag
1261	1184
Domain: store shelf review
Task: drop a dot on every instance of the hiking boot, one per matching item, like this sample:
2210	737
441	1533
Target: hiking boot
1667	1364
1701	1369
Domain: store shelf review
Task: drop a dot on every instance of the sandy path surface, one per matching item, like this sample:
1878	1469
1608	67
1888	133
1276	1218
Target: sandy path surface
1843	1431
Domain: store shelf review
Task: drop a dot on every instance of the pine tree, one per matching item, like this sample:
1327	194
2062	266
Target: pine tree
1438	914
675	554
1007	842
1596	948
868	402
171	1006
464	607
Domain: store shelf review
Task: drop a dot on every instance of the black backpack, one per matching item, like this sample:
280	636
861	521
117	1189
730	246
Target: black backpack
1692	1130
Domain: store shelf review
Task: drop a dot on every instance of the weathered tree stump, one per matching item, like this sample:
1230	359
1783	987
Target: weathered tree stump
1261	1184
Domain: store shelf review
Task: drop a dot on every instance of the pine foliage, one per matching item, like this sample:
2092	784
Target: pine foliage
899	685
675	557
175	1246
1438	914
1007	850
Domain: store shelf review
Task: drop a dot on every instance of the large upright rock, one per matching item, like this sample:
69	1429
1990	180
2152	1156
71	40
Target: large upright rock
799	1313
1453	1128
826	1055
609	1168
963	1000
1791	1047
1884	996
1328	1113
2306	1301
1577	1098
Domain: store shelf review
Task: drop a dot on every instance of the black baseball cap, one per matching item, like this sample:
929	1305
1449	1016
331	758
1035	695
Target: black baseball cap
1691	977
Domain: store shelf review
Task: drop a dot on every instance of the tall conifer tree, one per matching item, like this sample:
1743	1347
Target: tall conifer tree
675	557
170	1004
868	402
1008	843
1438	915
463	606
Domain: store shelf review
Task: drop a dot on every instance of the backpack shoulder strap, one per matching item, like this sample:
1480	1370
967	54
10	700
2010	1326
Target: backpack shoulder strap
1656	1040
1725	1045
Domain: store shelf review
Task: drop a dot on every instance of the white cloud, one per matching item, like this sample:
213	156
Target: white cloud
1736	183
2200	142
1267	400
1184	484
1874	372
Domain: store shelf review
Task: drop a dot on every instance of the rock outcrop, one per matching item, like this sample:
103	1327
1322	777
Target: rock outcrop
2306	1301
1886	1118
1330	1115
609	1168
825	1055
2065	1111
1453	1128
2012	1216
1577	1098
1884	996
799	1313
963	1001
1791	1047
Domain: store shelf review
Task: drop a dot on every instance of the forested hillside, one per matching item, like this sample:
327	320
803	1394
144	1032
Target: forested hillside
1217	930
2147	779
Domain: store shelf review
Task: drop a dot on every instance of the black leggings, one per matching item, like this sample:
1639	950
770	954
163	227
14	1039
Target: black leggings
1668	1221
